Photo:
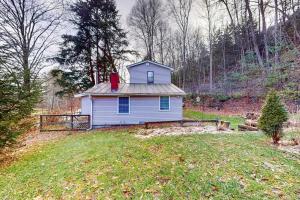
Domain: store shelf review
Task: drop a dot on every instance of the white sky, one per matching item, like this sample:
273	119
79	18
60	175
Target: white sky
124	7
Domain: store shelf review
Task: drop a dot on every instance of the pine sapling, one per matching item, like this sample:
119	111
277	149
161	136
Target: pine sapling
273	115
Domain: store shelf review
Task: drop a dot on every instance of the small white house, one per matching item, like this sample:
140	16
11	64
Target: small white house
148	97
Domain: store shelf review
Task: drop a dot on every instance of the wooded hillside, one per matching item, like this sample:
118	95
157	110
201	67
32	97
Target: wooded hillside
237	47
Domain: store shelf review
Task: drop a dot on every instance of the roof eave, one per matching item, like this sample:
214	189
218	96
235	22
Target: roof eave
139	63
130	94
80	95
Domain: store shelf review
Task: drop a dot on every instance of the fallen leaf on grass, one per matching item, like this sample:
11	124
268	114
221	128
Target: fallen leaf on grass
278	192
38	198
191	166
181	159
127	191
163	179
152	191
214	188
264	179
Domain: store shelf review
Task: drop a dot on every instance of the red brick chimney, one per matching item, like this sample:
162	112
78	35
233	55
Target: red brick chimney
114	81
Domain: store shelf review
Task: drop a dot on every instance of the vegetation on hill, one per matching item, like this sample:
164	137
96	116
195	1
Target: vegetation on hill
247	48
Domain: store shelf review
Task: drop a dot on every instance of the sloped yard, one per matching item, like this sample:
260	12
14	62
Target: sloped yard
233	119
118	165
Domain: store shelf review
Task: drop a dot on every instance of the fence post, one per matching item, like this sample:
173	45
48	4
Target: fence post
72	122
41	122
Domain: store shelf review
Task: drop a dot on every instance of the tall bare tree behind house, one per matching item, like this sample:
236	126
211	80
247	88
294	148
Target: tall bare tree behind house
27	30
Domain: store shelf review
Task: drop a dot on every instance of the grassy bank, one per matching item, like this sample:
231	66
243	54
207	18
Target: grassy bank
234	120
117	165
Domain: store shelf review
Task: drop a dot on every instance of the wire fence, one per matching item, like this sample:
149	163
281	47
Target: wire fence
64	122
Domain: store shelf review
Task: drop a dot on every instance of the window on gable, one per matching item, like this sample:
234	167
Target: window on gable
150	77
124	105
164	103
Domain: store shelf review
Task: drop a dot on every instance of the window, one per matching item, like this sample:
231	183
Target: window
164	103
124	105
150	77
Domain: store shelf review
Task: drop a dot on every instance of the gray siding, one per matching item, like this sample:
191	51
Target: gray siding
138	74
142	109
86	105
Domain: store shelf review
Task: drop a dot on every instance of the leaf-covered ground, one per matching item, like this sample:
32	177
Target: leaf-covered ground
117	165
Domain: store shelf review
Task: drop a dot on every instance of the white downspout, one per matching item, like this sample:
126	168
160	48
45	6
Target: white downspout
91	113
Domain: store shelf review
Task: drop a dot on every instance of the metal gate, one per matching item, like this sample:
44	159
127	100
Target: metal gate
64	122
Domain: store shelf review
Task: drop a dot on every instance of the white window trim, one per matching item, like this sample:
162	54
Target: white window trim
118	111
169	104
148	77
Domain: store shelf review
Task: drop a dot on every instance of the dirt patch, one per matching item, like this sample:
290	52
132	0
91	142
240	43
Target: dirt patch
171	131
40	137
290	146
290	149
28	141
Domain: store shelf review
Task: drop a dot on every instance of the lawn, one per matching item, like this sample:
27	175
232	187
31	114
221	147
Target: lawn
295	117
116	165
234	120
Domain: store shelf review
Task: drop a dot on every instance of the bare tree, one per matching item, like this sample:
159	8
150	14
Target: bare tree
253	34
276	33
208	5
181	10
144	19
262	7
162	40
26	32
226	3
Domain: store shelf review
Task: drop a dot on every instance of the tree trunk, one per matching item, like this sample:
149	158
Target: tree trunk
253	35
97	60
228	11
184	61
276	33
26	73
210	68
276	138
264	30
91	68
224	62
210	47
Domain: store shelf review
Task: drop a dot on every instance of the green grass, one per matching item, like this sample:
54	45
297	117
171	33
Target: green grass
117	165
295	117
234	120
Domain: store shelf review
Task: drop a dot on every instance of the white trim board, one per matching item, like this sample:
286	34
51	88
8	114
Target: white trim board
148	61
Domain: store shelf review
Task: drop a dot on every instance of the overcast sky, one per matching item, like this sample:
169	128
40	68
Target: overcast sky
124	7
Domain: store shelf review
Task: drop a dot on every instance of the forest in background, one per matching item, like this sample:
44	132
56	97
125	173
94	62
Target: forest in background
240	48
225	48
